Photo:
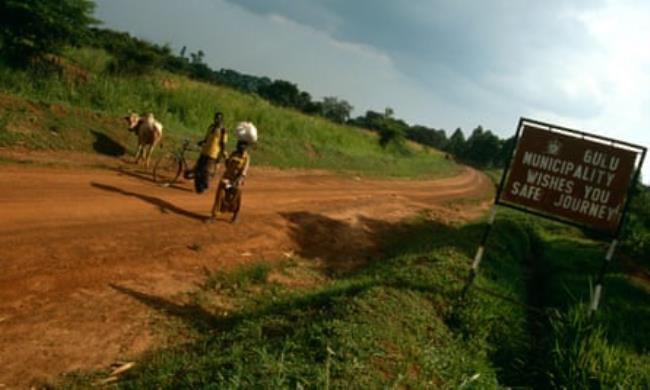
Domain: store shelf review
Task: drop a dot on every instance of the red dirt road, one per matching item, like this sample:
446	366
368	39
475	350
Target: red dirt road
74	242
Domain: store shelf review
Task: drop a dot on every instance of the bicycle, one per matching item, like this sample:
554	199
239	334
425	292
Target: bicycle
171	165
228	200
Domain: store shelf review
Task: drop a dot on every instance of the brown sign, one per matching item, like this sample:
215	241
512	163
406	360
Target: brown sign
570	178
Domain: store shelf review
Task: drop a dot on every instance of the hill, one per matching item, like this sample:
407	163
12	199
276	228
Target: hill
79	107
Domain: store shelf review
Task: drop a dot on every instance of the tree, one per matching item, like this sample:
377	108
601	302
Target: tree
282	93
456	143
197	58
505	152
482	148
337	110
426	136
33	28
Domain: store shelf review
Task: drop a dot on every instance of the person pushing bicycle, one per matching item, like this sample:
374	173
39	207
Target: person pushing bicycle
228	196
233	178
213	151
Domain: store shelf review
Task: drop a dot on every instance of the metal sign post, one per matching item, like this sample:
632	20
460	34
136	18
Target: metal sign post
493	213
601	276
600	281
479	252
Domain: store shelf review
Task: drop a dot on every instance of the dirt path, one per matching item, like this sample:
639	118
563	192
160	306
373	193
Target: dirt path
74	242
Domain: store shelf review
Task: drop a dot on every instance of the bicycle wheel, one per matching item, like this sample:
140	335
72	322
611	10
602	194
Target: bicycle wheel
167	169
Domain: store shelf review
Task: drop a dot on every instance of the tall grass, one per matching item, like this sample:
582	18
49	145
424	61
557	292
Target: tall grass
287	138
582	355
609	349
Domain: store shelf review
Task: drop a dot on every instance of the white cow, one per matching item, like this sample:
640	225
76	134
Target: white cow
149	132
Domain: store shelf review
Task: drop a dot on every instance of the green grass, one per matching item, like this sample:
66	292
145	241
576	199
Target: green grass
398	321
254	273
395	323
288	139
609	350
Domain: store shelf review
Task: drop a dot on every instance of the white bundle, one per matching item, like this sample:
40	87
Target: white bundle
247	132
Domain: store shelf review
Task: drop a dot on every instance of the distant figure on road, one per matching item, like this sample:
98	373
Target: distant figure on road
213	151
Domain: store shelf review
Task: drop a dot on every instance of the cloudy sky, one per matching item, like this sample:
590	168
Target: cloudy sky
441	63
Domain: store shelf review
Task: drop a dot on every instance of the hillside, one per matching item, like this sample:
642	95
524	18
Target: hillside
80	108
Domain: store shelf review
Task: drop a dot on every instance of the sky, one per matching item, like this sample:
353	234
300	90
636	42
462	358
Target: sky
581	64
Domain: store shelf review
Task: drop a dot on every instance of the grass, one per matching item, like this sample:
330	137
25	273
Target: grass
394	323
255	273
609	350
398	321
288	139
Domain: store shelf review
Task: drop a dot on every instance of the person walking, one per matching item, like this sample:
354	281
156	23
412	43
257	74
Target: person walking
213	151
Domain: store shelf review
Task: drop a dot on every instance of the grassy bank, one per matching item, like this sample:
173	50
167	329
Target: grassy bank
66	110
398	321
394	323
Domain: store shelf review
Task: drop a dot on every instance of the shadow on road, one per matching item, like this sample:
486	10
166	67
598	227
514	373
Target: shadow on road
146	176
203	320
193	314
162	205
106	145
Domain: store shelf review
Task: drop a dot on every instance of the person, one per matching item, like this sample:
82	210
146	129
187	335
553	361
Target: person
233	177
213	151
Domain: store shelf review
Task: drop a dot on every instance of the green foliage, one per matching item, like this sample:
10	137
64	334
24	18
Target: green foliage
66	23
426	136
32	28
607	350
281	92
482	148
131	56
243	82
636	231
581	356
250	274
288	138
456	144
336	110
505	152
391	131
94	61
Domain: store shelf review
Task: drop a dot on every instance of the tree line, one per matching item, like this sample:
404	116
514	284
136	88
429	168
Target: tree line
482	148
34	28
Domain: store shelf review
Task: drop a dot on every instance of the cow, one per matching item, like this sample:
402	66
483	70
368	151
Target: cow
149	133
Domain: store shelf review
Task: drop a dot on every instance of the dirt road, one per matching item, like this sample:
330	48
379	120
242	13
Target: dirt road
76	245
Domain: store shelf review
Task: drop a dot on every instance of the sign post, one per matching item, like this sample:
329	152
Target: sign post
572	177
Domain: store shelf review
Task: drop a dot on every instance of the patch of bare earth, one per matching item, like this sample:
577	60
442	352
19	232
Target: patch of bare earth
87	255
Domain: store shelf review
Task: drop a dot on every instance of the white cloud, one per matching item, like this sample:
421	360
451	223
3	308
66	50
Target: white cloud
617	76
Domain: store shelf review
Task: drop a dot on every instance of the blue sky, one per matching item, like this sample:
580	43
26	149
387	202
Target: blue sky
440	63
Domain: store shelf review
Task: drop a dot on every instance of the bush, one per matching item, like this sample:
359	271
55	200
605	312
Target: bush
33	28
